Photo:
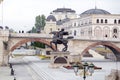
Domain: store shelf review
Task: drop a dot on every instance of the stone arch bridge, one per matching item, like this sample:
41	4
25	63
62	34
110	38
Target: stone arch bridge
10	41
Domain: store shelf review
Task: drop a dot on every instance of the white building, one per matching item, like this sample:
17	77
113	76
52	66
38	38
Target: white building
58	17
93	23
96	23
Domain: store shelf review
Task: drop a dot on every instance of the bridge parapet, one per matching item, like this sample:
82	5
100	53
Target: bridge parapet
30	35
97	39
49	36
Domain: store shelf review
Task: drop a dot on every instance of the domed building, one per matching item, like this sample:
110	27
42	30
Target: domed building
94	23
57	18
50	24
94	11
51	18
62	13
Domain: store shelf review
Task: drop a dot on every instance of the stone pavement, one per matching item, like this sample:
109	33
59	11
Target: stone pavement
21	70
5	73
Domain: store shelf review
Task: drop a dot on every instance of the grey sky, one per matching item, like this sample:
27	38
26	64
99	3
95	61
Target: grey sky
20	14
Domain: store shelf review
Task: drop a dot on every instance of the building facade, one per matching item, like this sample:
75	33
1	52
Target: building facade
93	23
58	17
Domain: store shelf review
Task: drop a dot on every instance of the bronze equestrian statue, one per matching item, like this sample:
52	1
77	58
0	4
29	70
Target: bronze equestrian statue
58	39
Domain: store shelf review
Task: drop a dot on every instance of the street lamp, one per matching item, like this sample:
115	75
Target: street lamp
76	68
87	68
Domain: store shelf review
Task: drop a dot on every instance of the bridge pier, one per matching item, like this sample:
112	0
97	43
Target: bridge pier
3	55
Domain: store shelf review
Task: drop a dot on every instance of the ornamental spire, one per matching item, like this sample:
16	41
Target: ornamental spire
95	5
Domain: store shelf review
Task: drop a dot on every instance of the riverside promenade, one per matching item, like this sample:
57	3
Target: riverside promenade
33	68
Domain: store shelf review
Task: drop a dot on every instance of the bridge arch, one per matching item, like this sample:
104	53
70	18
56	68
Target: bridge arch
111	46
30	40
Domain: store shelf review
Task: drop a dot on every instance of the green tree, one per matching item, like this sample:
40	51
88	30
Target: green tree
33	30
38	44
39	23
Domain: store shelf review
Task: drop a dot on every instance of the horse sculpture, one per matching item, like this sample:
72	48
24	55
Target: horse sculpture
58	39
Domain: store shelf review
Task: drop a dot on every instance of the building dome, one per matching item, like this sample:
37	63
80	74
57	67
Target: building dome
51	17
64	10
95	11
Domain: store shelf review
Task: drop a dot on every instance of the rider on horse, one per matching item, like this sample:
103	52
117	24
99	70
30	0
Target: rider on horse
58	39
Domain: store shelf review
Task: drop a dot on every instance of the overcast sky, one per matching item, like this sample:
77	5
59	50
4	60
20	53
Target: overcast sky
20	14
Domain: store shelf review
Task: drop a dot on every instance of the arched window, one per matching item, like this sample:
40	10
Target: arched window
97	21
118	21
105	20
106	32
74	32
115	31
74	24
115	21
101	20
98	32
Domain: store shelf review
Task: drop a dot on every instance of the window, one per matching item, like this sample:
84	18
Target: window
82	33
97	21
74	24
105	20
114	30
118	21
101	20
74	32
115	21
106	35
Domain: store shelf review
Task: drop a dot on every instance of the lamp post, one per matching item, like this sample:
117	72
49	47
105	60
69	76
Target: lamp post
86	68
76	68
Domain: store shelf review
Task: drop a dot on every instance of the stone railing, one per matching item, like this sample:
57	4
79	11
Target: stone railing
30	35
97	39
43	35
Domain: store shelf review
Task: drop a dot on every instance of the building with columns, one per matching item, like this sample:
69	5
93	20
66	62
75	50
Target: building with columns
97	23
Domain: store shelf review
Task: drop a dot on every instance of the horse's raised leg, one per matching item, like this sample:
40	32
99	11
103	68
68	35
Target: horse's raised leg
56	46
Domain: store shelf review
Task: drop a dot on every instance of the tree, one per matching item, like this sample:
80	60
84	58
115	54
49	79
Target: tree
39	23
33	30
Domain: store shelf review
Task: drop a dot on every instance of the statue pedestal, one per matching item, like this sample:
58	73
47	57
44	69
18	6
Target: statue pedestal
59	59
75	59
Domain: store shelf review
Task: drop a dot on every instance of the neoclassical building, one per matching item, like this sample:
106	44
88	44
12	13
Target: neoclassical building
93	23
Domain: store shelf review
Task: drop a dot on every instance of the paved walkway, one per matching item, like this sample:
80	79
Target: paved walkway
5	73
32	68
21	70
